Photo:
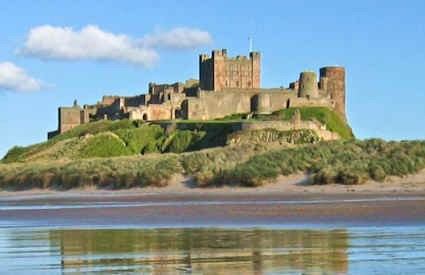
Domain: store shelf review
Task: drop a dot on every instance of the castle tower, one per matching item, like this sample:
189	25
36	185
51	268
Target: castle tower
262	104
332	80
308	86
255	58
219	72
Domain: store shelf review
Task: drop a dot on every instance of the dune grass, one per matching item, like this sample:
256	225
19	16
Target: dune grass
340	162
109	173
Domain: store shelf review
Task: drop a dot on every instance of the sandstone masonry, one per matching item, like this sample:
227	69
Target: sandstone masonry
226	86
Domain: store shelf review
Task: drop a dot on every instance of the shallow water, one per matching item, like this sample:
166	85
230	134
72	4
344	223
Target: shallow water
380	250
263	236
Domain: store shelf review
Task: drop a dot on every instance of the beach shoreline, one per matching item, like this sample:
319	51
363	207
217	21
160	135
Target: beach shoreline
293	186
288	202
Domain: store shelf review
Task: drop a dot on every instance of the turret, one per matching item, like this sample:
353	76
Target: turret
219	53
308	85
262	103
332	80
255	58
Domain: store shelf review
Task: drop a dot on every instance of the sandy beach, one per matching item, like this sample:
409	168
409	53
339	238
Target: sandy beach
289	201
294	186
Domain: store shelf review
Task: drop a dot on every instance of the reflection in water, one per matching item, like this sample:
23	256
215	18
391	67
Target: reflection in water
380	250
202	251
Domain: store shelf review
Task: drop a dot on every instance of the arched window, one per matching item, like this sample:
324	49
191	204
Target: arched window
145	117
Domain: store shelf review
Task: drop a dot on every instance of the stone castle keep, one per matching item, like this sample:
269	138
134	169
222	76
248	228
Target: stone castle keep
226	86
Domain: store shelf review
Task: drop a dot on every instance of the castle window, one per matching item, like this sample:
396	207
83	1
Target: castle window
237	83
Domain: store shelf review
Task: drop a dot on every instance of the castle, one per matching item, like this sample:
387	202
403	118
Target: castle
226	86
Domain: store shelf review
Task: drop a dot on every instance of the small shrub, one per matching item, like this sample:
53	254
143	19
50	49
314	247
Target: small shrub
151	147
181	141
349	178
204	179
104	145
151	177
143	136
324	176
14	155
377	173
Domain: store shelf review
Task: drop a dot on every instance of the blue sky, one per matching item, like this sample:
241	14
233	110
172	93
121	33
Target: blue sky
46	63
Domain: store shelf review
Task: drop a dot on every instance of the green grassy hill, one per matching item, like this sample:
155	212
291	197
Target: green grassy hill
332	120
108	139
126	138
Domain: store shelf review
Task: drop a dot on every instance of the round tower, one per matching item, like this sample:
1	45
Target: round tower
335	86
308	85
263	104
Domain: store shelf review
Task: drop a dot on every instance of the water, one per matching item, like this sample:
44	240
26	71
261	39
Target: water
57	235
388	250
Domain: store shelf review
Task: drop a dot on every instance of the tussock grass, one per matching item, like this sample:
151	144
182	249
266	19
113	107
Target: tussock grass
342	162
111	173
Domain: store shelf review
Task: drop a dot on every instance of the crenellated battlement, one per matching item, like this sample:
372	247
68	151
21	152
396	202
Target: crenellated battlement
220	71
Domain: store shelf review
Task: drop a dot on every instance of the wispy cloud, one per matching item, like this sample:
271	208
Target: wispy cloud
92	43
14	78
178	38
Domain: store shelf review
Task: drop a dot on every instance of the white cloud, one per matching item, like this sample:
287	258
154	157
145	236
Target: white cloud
178	38
92	43
14	78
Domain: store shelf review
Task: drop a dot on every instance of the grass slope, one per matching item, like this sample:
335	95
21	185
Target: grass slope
332	120
124	138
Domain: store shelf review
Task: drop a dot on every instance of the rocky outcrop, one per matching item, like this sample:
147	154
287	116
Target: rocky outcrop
267	136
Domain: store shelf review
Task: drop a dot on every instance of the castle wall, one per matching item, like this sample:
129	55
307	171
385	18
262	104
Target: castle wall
112	111
213	105
152	112
317	127
69	117
108	100
135	100
312	102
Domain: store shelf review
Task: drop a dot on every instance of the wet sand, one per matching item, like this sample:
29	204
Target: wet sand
289	202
